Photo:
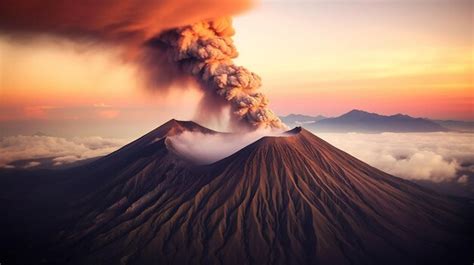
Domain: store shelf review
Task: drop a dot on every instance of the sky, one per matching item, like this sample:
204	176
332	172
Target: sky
314	57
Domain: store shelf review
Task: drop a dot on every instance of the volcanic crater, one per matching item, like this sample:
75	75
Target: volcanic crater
289	199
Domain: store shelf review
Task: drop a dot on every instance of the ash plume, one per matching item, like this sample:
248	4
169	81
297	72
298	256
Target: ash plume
129	23
170	41
205	50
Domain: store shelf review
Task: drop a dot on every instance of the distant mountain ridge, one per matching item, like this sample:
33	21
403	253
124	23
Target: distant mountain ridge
363	121
463	126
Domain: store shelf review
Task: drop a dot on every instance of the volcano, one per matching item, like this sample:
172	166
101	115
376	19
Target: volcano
289	199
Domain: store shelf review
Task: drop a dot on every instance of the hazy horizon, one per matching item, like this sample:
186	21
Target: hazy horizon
414	60
115	128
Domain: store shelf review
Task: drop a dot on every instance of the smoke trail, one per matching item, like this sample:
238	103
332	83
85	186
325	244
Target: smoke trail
205	50
129	23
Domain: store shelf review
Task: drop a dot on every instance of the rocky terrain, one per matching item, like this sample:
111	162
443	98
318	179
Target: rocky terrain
289	199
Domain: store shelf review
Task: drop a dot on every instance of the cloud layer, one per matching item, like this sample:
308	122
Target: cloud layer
61	150
208	148
435	157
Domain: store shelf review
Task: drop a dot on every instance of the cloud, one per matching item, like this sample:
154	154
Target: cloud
173	43
37	112
209	148
102	105
436	157
128	22
108	114
464	179
62	150
32	164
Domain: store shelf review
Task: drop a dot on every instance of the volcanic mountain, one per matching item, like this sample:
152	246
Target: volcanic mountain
362	121
288	199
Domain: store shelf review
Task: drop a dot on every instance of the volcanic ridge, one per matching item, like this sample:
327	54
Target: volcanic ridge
289	199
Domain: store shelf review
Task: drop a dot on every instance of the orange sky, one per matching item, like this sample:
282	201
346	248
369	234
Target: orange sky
316	57
414	57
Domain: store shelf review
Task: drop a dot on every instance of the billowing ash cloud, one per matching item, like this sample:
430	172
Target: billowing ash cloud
202	50
127	22
205	50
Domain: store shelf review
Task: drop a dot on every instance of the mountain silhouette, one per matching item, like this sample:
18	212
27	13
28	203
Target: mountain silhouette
289	199
362	121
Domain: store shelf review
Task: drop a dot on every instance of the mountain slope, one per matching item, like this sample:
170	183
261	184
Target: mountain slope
461	126
292	199
39	202
281	200
142	152
361	121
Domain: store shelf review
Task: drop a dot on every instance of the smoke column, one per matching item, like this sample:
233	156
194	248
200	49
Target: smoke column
181	46
205	50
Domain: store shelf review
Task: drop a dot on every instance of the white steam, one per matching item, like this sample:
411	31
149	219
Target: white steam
208	148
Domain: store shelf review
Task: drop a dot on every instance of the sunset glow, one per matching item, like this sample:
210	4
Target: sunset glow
318	58
237	132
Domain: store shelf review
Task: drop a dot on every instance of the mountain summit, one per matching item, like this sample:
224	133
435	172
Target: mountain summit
289	199
363	121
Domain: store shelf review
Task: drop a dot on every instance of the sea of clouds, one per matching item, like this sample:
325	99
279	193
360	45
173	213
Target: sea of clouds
60	150
437	157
